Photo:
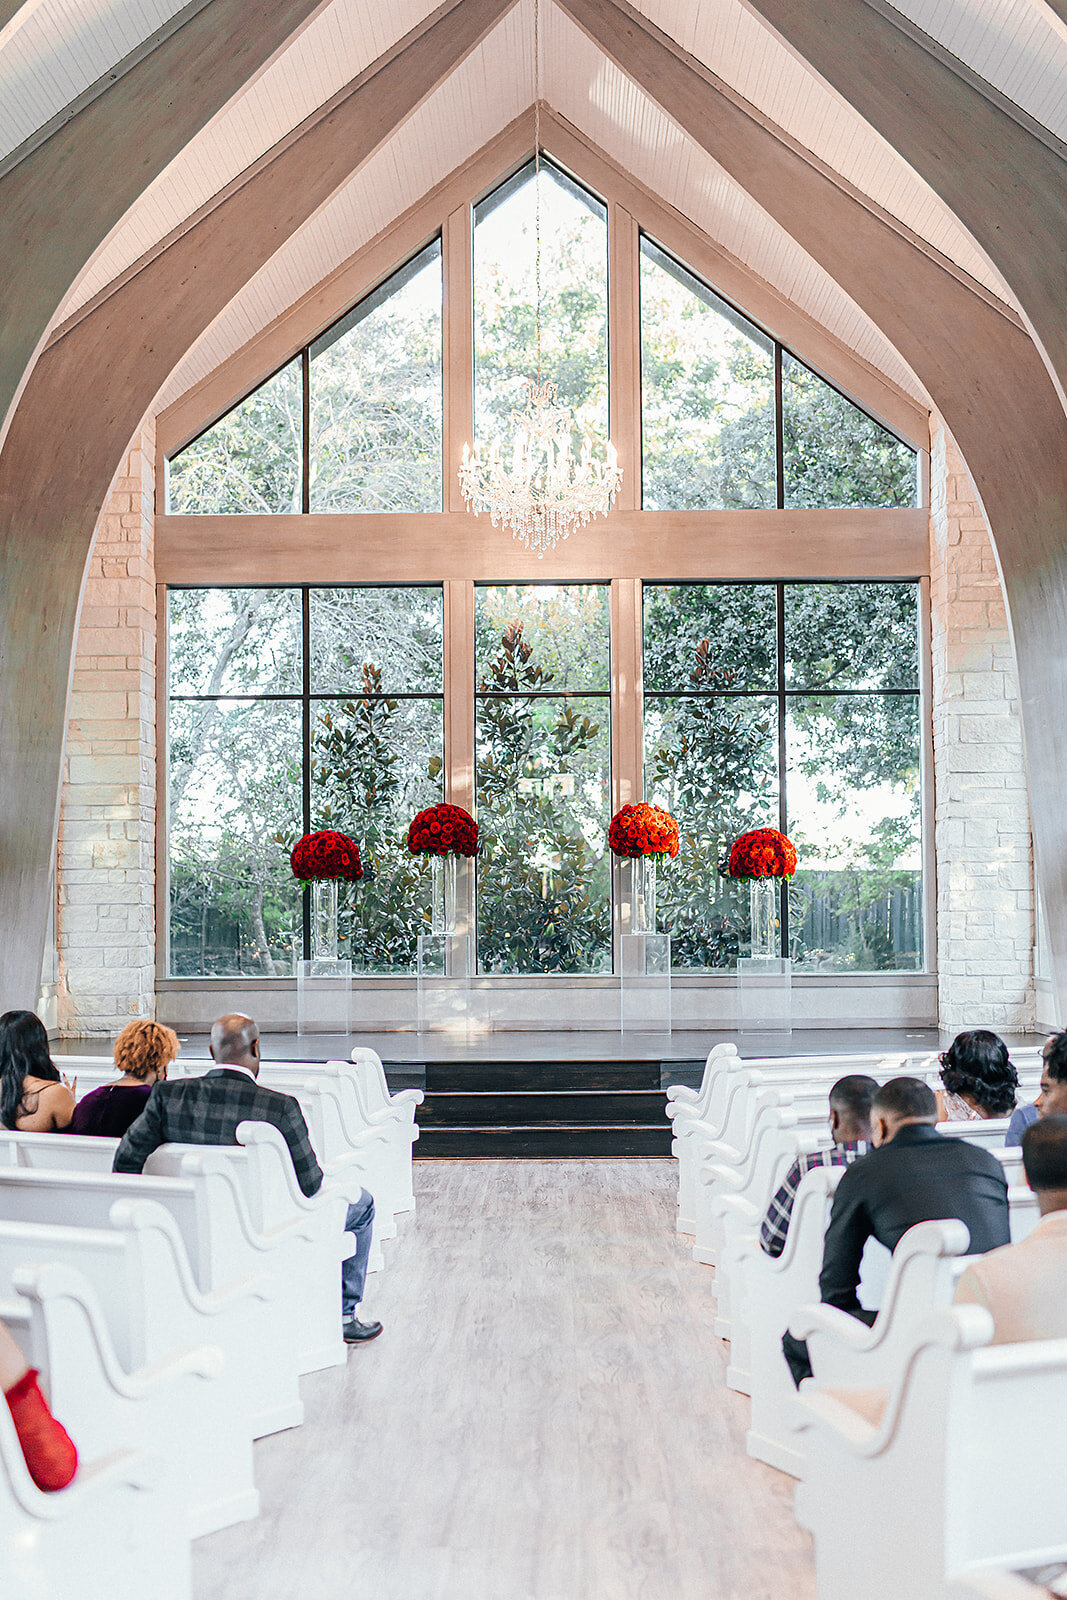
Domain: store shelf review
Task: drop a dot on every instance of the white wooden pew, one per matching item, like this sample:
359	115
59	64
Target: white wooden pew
737	1212
341	1131
393	1112
138	1268
723	1111
920	1277
961	1471
178	1407
927	1264
730	1124
998	1585
773	1289
112	1535
209	1207
304	1237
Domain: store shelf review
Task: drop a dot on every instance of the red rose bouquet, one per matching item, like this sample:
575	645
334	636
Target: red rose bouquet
763	853
643	830
443	831
326	855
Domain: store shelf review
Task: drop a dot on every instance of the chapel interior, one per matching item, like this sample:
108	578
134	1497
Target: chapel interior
626	435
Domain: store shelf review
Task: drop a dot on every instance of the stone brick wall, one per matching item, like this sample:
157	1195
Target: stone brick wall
106	868
985	902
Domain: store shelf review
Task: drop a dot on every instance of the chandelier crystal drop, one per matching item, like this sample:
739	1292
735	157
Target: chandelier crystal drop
543	493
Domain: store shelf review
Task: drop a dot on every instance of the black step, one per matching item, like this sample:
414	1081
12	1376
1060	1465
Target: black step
535	1108
560	1075
569	1143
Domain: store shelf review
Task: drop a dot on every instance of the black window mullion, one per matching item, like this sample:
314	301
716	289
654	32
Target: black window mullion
305	722
779	431
305	432
783	808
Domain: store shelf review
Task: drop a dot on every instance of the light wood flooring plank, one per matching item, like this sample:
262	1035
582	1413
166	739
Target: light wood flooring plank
544	1417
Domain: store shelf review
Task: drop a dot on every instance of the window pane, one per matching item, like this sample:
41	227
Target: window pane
707	396
574	304
854	816
396	632
248	462
544	886
713	763
565	627
234	775
375	761
736	622
376	399
835	454
852	636
234	641
543	779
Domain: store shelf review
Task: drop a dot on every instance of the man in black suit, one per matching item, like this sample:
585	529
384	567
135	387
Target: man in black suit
913	1174
208	1110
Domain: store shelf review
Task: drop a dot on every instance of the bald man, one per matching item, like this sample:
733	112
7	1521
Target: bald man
209	1110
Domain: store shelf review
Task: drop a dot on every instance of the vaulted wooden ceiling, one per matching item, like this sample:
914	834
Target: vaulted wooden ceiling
56	53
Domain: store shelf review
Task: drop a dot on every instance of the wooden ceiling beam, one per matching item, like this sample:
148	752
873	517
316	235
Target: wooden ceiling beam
55	207
982	370
84	401
1005	183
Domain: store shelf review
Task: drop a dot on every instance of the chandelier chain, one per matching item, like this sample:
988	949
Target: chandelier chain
537	179
543	493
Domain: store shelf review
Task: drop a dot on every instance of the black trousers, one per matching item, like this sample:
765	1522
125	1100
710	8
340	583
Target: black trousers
796	1350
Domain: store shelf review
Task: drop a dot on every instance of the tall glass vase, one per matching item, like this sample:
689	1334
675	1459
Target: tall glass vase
643	895
324	919
764	907
444	892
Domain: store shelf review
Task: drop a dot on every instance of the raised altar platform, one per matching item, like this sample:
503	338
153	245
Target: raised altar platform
549	1095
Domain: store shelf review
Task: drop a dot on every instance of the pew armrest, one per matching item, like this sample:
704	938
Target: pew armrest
810	1321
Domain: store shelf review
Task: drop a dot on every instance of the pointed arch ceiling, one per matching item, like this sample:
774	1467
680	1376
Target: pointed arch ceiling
1021	44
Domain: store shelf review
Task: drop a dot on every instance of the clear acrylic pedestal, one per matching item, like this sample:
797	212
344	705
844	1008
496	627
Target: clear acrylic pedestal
323	997
443	976
645	983
764	998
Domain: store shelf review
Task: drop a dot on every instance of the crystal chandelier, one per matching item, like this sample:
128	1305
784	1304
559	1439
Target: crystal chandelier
543	494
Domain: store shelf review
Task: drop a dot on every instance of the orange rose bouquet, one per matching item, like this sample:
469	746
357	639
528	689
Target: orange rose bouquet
643	830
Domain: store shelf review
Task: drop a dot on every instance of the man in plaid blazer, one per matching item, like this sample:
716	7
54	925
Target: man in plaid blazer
208	1110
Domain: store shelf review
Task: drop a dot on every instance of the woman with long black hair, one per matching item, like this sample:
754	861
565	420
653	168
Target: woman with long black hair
33	1096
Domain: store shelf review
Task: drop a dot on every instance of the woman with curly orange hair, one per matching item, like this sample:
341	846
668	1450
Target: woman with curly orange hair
143	1052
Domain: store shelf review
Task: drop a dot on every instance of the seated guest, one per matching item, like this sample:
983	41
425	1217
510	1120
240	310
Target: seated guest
1052	1101
913	1174
978	1078
50	1456
33	1096
143	1052
850	1129
208	1110
1022	1118
1024	1285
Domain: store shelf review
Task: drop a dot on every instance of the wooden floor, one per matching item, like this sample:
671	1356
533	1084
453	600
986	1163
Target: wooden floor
544	1417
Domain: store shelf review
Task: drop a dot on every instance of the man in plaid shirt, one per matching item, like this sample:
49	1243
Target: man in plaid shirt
208	1110
850	1129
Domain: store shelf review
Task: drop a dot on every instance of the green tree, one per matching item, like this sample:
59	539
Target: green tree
544	901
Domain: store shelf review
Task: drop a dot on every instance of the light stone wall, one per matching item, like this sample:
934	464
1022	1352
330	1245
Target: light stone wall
106	867
985	900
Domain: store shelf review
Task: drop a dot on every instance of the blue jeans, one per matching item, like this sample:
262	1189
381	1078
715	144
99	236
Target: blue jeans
359	1223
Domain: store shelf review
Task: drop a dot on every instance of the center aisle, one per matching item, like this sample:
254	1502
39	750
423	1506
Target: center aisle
544	1417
